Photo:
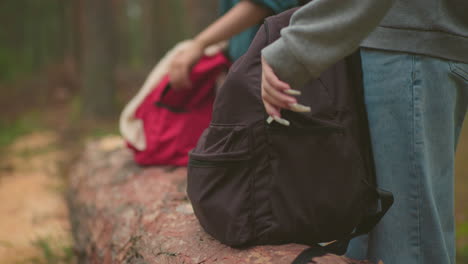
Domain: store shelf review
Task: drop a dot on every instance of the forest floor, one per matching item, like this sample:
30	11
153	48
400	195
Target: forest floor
34	226
37	151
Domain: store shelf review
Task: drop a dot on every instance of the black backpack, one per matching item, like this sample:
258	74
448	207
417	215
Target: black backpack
253	183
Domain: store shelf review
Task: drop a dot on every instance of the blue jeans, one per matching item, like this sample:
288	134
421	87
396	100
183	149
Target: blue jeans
416	105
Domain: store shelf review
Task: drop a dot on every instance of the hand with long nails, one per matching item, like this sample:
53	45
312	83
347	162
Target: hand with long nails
277	95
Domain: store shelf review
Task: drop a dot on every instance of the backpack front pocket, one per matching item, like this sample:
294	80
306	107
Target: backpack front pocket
220	183
314	187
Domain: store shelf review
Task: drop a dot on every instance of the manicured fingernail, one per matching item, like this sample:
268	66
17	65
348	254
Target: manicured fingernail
282	121
270	119
299	108
292	92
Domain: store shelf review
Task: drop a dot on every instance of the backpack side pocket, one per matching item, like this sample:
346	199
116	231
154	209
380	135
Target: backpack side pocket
220	183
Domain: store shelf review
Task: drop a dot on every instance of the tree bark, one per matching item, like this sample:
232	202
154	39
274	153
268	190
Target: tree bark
123	213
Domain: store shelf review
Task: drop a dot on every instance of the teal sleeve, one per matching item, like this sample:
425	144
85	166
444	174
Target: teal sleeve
277	6
225	5
239	44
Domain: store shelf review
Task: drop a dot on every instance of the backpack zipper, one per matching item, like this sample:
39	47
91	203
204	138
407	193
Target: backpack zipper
210	164
305	129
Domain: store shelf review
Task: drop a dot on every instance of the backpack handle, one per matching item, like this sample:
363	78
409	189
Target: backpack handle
386	200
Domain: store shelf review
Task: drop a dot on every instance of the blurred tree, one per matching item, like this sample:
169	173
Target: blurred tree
155	20
122	33
39	39
167	22
32	35
164	25
99	57
76	28
201	13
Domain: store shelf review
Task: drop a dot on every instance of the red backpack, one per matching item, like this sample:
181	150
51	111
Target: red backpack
174	120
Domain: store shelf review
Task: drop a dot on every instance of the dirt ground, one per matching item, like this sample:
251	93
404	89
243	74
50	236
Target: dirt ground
34	225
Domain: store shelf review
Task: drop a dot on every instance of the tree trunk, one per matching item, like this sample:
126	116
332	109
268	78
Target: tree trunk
152	25
158	27
122	35
98	63
167	22
77	32
131	214
201	13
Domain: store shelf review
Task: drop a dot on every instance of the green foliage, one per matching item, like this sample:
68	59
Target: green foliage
10	66
9	131
5	244
462	250
462	230
462	255
52	252
100	132
75	112
31	36
90	129
30	152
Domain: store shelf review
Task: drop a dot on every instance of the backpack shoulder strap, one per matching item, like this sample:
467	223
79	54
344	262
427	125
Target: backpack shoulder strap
274	24
339	247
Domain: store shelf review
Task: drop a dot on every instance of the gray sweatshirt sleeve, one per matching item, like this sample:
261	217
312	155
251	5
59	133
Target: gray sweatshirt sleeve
321	33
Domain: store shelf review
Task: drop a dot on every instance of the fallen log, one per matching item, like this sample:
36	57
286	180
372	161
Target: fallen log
123	213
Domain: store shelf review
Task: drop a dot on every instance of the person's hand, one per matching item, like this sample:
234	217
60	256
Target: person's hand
273	92
181	64
276	95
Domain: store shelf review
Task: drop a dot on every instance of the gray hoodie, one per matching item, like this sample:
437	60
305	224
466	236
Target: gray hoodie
325	31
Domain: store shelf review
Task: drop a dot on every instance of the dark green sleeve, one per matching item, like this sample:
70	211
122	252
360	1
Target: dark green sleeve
277	6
